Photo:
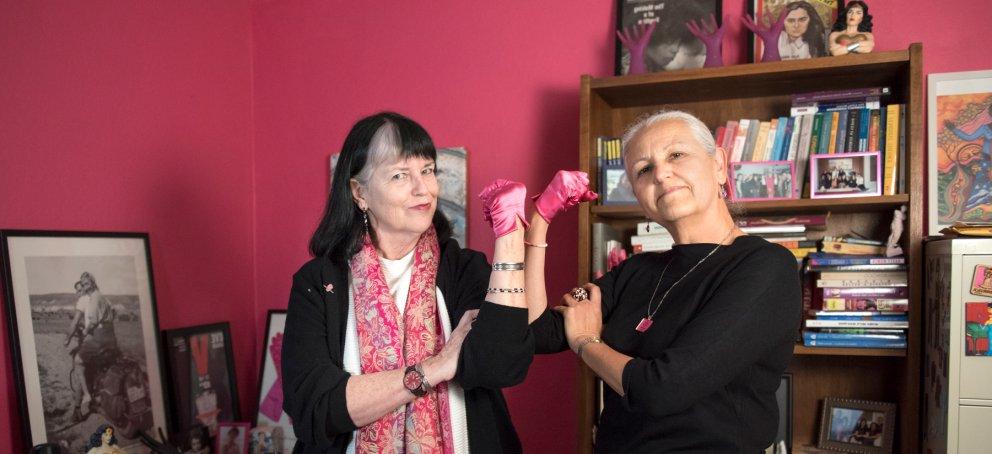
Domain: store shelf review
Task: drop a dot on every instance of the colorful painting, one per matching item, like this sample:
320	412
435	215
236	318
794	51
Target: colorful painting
960	134
977	327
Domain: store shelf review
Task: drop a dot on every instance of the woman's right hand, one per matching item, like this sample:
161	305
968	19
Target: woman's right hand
442	367
502	204
567	189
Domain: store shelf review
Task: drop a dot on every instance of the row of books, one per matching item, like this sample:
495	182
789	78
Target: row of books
614	188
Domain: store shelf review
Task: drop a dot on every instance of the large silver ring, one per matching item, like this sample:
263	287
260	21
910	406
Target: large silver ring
580	294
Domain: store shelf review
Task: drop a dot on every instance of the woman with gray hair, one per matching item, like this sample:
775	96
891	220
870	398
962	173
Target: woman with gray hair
691	342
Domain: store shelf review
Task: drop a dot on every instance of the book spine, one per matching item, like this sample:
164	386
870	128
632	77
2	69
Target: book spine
752	136
863	131
877	318
838	95
903	165
873	130
851	304
853	343
850	248
852	138
891	149
813	335
813	323
740	139
730	136
794	129
759	143
849	283
832	139
876	292
816	261
823	147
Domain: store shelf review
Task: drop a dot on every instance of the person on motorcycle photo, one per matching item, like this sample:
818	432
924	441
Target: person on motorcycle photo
97	347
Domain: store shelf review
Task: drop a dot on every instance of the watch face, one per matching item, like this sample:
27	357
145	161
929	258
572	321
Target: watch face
412	380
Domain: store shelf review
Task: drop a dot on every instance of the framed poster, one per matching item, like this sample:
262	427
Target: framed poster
857	426
270	413
83	335
959	131
845	175
202	384
452	176
671	45
807	25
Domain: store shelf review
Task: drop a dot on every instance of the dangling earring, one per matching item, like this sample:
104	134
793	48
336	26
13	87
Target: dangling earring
366	216
723	192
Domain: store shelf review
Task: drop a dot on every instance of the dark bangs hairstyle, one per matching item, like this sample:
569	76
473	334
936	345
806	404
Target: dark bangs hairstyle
841	23
341	230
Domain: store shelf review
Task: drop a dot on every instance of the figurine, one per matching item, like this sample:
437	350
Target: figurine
712	37
804	35
769	35
852	31
892	248
635	39
103	441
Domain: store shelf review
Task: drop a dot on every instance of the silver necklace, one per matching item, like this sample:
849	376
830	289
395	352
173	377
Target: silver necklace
646	322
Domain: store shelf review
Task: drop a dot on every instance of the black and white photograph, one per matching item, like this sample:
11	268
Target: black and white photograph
201	379
659	33
845	175
84	339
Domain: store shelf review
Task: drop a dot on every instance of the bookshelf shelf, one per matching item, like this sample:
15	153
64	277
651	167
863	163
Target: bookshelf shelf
827	351
779	207
762	91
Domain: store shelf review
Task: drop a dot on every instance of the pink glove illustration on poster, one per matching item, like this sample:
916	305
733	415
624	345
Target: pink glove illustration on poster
271	406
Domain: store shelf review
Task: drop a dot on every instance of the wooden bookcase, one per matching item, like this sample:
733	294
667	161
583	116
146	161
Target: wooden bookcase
762	91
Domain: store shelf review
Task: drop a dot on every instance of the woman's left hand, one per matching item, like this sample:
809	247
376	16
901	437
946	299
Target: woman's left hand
582	318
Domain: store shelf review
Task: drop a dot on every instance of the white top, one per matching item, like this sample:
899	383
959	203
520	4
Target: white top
398	274
89	305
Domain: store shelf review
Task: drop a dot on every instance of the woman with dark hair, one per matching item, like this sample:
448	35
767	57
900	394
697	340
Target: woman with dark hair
103	441
852	31
396	338
804	34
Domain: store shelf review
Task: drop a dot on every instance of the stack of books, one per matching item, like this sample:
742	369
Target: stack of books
860	300
651	237
790	232
825	122
613	185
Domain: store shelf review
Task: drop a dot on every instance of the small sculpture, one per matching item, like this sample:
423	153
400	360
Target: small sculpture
851	34
892	247
712	37
103	441
635	39
769	34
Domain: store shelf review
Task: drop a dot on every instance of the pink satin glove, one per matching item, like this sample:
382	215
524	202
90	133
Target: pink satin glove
502	204
567	189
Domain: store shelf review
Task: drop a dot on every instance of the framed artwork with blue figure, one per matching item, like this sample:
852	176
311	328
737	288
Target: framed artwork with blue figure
452	176
959	127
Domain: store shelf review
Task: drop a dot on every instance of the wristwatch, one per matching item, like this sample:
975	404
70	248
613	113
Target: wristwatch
415	381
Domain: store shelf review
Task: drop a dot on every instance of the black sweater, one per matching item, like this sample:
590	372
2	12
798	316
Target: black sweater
496	353
704	376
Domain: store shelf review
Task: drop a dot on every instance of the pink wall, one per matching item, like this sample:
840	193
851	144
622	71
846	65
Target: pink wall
135	116
154	102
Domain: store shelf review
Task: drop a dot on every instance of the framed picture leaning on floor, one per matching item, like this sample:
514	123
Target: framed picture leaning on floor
270	413
202	383
83	335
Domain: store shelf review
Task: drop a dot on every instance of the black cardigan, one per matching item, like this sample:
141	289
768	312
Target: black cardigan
703	377
496	353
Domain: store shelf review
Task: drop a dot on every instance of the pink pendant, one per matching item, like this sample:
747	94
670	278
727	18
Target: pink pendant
644	325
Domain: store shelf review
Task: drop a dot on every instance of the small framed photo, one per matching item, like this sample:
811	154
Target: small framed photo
857	426
616	186
807	26
83	335
270	413
766	180
959	128
232	438
671	45
202	384
845	175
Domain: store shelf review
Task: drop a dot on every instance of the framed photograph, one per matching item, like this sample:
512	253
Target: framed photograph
270	413
671	45
807	25
959	127
857	426
452	176
232	438
202	385
784	398
616	187
845	175
763	180
83	335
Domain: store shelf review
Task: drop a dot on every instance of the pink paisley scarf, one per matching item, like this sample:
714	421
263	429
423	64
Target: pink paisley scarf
389	340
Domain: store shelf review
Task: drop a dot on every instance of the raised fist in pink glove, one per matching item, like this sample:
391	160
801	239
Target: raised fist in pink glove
769	35
502	204
567	189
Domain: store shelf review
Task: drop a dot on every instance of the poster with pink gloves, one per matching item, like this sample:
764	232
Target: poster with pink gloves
270	412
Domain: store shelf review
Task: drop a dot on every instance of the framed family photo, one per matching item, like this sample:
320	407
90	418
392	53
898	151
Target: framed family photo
857	426
959	131
83	335
845	175
807	25
762	180
670	45
202	384
270	413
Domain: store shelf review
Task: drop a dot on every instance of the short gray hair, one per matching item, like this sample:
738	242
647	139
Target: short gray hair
699	129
